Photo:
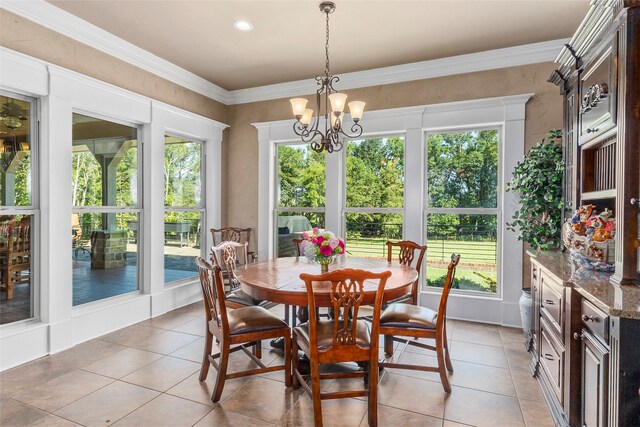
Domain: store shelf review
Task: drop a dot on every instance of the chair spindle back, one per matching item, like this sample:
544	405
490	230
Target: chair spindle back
213	293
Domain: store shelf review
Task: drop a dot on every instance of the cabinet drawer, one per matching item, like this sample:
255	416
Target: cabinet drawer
552	301
595	320
552	359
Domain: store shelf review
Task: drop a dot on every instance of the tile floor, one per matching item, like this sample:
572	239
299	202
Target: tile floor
147	375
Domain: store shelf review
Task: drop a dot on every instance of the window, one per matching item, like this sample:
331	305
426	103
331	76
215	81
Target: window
18	208
301	178
106	208
184	207
462	208
374	197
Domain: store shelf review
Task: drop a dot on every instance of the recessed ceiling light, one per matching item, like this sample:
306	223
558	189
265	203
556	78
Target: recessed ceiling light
243	25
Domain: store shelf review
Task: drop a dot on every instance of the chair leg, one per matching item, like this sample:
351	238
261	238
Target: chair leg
441	365
373	393
294	316
287	360
257	349
315	388
204	369
294	362
286	314
222	372
388	345
446	350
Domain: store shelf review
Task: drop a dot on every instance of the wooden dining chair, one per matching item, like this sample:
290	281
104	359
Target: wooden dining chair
408	320
234	234
342	339
225	256
243	327
408	252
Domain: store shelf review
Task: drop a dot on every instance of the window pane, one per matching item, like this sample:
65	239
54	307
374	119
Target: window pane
182	172
15	152
375	173
182	238
367	234
16	298
105	255
105	163
291	225
474	237
463	169
301	176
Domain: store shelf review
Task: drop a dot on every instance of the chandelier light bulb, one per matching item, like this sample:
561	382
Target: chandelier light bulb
338	101
356	108
298	105
306	117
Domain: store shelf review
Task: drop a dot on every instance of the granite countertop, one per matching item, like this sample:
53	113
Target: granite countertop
616	300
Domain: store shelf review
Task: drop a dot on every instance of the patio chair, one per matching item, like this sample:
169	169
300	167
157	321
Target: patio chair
244	327
234	234
78	241
15	254
412	321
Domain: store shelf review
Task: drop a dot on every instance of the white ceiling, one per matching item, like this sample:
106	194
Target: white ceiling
287	42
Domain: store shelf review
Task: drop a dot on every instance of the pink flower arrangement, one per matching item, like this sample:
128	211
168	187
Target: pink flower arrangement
321	247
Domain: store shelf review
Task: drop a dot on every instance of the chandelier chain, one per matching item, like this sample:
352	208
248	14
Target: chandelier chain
326	49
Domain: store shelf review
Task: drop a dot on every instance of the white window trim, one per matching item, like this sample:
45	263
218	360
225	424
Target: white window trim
413	122
60	92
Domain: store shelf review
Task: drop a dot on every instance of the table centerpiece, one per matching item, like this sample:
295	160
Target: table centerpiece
321	247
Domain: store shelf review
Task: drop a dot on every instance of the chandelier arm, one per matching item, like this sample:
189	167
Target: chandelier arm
356	131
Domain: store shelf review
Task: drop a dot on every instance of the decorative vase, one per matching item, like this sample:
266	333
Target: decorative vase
324	263
525	315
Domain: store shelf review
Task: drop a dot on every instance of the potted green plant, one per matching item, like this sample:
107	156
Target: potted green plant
537	180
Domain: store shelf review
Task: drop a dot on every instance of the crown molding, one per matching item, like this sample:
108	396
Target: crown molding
43	13
56	19
473	62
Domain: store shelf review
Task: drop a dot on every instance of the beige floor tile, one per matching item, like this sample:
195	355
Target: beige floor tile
512	338
170	320
53	421
201	392
519	360
21	378
86	353
192	351
393	417
162	374
193	327
166	410
337	412
465	374
107	405
527	387
221	418
412	394
448	423
130	335
477	334
481	354
165	342
262	399
536	414
14	413
480	408
60	391
122	363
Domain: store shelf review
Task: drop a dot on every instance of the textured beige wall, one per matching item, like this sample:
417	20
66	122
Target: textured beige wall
543	112
25	36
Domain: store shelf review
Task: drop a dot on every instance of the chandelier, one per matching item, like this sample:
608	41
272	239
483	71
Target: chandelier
307	125
11	116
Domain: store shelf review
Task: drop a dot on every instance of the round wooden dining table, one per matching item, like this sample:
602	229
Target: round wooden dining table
278	280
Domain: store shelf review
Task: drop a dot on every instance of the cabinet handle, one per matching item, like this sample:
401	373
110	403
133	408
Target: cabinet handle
577	336
592	130
635	201
549	302
587	318
549	356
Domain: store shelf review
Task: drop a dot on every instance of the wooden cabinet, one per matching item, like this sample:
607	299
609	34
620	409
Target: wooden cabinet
594	378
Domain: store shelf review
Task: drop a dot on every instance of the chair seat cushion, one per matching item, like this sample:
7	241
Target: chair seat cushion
408	316
253	319
325	333
242	298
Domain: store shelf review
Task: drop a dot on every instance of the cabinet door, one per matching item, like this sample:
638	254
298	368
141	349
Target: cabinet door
595	371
